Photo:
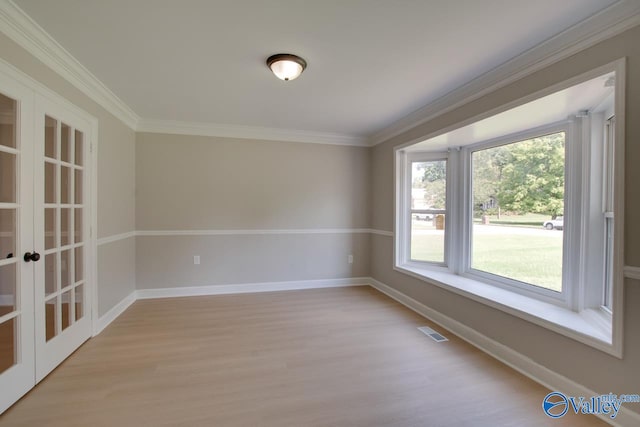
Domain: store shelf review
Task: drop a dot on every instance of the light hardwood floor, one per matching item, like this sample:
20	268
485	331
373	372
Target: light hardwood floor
326	357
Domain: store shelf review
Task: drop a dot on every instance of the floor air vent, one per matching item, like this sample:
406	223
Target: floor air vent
432	334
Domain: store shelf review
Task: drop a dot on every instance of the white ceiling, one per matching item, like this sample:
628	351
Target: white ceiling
370	62
553	108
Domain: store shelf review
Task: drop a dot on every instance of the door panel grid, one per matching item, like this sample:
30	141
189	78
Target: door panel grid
62	322
17	356
9	213
63	212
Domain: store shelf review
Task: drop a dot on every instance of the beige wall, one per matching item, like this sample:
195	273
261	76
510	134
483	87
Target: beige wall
194	182
116	162
116	272
206	183
583	364
167	261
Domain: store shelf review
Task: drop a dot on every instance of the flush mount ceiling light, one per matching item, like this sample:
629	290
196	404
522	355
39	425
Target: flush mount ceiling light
286	66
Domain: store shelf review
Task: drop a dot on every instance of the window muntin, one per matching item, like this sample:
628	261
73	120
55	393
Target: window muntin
517	187
428	210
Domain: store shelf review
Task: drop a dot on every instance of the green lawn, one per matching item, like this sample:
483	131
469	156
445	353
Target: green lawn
428	248
533	256
532	259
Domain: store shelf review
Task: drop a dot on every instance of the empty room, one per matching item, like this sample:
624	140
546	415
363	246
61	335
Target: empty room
319	213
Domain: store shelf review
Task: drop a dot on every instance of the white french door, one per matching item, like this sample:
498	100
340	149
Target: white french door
45	301
61	233
17	355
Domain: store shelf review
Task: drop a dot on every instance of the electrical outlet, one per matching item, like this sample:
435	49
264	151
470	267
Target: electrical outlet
350	259
196	259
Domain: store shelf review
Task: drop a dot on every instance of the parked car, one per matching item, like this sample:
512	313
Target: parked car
423	216
557	223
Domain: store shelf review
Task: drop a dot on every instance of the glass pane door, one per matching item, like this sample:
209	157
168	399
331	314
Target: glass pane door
62	323
44	232
63	234
9	314
16	279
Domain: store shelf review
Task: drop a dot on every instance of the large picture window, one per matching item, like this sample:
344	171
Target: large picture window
517	209
516	188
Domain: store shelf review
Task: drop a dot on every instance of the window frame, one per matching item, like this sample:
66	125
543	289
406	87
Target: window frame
569	236
608	204
599	327
417	158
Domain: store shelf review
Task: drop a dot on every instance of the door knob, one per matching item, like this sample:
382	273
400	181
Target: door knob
31	256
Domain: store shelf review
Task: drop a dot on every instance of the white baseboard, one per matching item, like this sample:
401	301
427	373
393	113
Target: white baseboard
111	315
540	374
106	319
249	288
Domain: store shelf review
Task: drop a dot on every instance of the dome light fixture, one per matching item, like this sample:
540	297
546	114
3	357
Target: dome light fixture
286	66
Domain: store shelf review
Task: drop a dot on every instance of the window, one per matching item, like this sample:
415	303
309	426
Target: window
516	188
517	210
428	210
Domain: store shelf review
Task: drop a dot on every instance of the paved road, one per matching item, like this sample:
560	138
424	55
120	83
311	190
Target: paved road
521	231
498	229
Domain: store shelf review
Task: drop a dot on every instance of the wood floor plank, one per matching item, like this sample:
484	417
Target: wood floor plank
325	357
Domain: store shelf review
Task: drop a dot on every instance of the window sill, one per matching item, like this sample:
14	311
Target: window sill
591	327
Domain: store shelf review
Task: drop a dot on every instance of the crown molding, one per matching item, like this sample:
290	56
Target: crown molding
24	31
609	22
247	132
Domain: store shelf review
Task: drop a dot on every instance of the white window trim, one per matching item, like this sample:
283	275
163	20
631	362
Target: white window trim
598	328
406	200
560	298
